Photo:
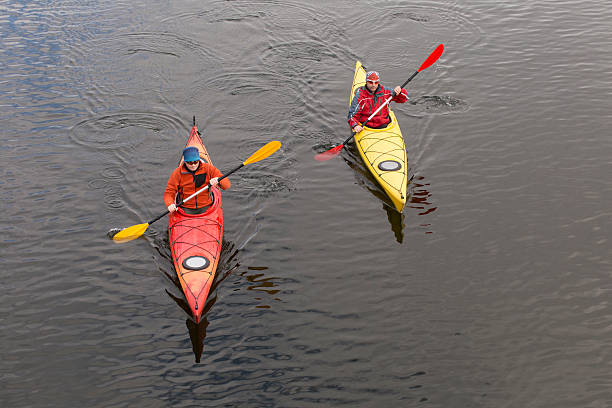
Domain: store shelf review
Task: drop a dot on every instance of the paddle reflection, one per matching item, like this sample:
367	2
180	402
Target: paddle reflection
419	199
259	283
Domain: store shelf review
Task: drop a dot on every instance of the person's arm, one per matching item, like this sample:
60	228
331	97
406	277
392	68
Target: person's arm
215	173
171	190
353	110
400	95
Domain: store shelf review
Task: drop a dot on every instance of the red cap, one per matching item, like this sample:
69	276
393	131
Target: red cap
373	76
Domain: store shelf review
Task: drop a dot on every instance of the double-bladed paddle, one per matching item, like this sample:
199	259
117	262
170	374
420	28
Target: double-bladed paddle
133	232
334	151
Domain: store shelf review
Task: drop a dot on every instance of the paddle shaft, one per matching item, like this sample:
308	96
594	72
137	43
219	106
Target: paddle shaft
195	194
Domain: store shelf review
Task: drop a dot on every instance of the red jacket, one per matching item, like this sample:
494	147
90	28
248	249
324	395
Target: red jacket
364	104
183	183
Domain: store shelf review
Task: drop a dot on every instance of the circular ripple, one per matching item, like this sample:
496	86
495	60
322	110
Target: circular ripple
113	173
272	92
277	16
159	59
220	12
97	184
166	44
120	130
252	82
275	13
445	22
161	43
295	58
300	18
319	38
112	197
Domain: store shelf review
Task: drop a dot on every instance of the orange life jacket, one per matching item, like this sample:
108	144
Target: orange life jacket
183	183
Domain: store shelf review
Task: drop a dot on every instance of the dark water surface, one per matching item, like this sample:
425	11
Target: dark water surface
490	290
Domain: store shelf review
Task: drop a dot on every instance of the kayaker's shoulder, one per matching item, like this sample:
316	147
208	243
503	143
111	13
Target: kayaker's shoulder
206	166
177	171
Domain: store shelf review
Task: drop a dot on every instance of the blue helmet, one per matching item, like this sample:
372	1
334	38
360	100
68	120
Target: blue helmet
191	154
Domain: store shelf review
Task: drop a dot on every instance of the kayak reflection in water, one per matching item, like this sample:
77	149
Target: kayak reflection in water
191	174
368	99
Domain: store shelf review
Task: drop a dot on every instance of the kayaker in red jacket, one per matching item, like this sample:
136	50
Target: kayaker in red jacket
368	98
189	177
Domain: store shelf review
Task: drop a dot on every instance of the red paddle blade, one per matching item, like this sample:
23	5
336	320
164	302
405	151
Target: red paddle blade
432	58
329	154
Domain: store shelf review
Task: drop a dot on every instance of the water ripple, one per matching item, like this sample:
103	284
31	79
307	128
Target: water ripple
164	43
440	104
120	130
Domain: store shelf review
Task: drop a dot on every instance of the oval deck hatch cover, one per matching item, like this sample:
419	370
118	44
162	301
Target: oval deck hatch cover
389	165
196	263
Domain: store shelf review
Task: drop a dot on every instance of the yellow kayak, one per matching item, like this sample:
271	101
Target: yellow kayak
383	151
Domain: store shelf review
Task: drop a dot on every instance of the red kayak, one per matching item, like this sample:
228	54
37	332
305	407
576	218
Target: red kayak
195	241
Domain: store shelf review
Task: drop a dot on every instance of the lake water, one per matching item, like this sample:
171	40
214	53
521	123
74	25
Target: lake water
489	290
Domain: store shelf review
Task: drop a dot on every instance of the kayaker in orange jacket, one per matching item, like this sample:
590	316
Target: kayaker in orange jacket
190	176
368	98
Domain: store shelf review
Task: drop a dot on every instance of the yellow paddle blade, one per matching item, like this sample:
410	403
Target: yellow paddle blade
130	233
263	152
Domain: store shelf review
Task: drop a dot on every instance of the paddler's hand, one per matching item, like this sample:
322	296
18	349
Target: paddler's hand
397	90
358	128
214	181
172	208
